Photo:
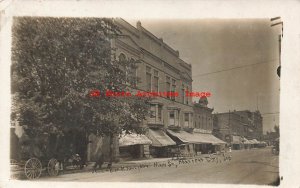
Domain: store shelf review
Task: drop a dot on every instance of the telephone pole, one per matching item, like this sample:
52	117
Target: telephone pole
280	36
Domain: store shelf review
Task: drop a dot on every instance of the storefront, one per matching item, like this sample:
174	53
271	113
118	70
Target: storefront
247	143
133	146
162	145
197	143
236	142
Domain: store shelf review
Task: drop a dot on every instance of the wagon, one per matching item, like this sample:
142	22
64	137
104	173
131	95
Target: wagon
33	168
32	158
48	152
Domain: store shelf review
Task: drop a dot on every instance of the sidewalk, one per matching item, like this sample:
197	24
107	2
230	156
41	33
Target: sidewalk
116	165
124	165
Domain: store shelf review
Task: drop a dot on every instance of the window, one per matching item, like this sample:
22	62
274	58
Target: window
182	94
122	58
148	78
187	100
153	111
129	69
156	113
173	89
132	73
155	81
159	113
148	69
186	119
168	85
172	118
122	62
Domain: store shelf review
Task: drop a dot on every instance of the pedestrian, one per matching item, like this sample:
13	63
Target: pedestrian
99	162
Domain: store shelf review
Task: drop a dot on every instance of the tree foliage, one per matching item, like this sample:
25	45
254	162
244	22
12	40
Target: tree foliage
56	62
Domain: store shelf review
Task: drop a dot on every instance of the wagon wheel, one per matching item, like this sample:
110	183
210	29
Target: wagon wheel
33	168
53	167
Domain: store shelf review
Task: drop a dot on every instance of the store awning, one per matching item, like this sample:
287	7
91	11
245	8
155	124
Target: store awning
196	138
159	138
255	141
181	135
236	139
216	141
246	141
133	139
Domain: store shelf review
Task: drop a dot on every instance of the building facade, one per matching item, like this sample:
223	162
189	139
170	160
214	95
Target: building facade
237	127
203	123
203	118
160	70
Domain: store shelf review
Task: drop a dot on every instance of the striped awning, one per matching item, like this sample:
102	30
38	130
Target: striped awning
159	138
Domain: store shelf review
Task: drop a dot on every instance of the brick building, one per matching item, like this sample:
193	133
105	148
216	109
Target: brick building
203	124
237	127
160	70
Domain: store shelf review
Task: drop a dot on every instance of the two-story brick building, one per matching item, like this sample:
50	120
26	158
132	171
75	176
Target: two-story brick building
203	124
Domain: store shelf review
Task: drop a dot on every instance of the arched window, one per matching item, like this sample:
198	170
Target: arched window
122	57
132	71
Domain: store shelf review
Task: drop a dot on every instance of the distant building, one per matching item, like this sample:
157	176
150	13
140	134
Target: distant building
237	127
203	118
203	123
255	123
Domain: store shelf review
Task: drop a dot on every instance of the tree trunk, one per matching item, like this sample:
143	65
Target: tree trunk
111	149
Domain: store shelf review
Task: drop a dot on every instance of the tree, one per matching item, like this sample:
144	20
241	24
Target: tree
56	62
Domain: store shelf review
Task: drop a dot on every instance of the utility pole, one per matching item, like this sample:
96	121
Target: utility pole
279	39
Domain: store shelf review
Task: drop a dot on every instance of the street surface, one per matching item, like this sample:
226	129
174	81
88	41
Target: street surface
255	166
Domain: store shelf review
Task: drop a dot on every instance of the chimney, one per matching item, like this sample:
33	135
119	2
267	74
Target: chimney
138	25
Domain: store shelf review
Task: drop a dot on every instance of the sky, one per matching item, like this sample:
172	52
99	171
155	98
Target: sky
248	47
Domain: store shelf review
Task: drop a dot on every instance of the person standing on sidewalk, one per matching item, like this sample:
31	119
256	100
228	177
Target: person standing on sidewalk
99	162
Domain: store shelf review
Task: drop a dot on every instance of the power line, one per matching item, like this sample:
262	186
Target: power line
249	65
204	74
